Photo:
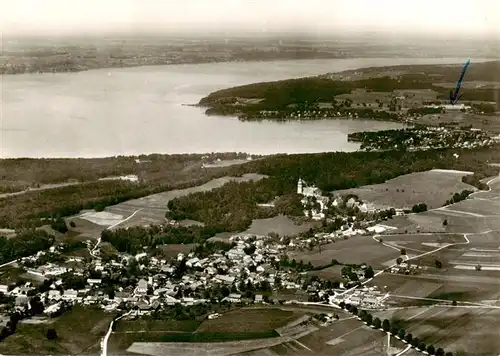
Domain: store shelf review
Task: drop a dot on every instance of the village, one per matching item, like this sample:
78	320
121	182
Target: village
254	270
424	138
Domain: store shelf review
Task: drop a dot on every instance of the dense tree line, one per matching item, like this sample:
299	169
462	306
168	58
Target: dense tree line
425	111
474	180
419	208
24	172
26	243
133	239
459	196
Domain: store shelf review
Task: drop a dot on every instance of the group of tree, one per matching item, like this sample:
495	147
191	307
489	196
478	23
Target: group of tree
419	208
394	330
26	242
459	196
475	181
300	266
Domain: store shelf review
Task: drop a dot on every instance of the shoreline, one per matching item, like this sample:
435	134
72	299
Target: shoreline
180	63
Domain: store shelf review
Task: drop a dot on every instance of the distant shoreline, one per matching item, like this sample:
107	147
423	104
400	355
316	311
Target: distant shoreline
81	67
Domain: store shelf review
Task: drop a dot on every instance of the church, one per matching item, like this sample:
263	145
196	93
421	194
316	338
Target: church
309	192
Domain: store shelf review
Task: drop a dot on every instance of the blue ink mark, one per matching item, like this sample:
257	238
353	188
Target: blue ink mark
454	95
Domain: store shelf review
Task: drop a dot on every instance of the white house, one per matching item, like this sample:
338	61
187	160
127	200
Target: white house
142	287
70	294
233	298
93	281
225	279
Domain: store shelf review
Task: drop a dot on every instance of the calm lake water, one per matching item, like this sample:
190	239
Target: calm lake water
138	110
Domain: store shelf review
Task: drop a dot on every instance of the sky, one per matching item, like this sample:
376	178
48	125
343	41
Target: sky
67	17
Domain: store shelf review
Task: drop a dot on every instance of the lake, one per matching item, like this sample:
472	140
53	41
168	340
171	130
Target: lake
130	111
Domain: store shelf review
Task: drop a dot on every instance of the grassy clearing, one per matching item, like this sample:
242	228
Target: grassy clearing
357	249
172	250
432	188
476	206
248	321
78	331
333	272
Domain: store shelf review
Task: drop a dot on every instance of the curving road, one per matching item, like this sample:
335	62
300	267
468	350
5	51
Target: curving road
104	343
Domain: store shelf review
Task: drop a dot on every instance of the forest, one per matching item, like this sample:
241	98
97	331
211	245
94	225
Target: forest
17	174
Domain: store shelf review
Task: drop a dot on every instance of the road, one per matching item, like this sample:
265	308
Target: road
104	344
92	252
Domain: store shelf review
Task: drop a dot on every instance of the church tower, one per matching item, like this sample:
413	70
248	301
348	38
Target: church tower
299	186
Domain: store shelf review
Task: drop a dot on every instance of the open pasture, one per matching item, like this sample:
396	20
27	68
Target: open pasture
400	284
417	223
458	222
432	187
78	331
355	250
249	320
424	242
464	331
477	207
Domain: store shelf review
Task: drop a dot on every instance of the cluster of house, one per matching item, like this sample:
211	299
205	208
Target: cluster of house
430	138
367	298
404	268
250	261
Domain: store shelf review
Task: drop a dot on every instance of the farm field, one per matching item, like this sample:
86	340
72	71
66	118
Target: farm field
78	331
432	187
249	320
464	331
248	323
348	338
357	249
